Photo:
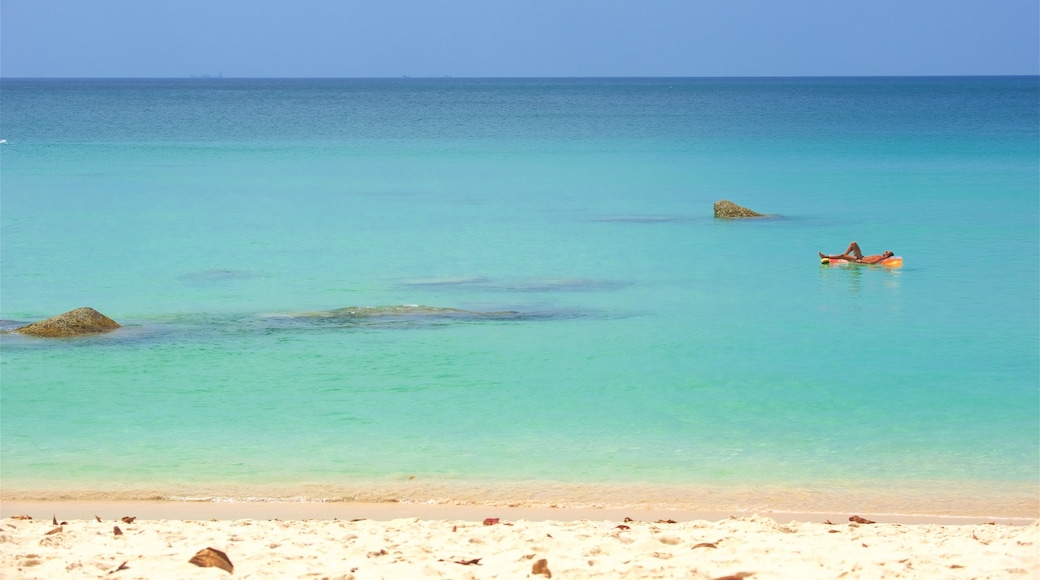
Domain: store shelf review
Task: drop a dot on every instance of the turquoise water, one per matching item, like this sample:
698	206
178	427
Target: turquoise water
648	349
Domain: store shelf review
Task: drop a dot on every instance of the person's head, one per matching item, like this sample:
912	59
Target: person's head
887	254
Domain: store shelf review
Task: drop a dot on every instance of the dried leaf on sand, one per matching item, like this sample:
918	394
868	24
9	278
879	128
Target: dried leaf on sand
213	558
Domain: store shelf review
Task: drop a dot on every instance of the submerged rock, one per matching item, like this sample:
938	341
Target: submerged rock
535	285
729	210
73	323
561	285
407	311
412	316
638	219
448	281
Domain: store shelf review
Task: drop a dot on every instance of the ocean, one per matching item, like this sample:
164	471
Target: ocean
514	291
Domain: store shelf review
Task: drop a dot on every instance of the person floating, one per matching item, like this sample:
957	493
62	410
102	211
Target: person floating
854	254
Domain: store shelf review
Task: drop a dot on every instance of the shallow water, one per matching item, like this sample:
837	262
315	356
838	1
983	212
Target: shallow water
646	344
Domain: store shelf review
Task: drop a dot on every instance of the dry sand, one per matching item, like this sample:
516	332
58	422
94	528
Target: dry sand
377	541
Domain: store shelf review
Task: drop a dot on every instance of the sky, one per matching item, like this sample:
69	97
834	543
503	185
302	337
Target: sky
517	38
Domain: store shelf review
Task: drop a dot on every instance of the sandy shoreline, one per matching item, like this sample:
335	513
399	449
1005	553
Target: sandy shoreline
982	499
361	541
232	510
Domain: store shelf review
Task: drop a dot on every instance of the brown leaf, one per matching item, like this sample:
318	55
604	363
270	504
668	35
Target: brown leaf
622	527
454	528
541	567
860	520
97	518
490	521
705	545
211	558
833	532
117	531
21	517
628	519
737	576
473	562
56	530
55	518
128	519
828	522
666	522
122	566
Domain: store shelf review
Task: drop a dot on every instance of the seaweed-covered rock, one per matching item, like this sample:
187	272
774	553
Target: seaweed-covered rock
73	323
729	210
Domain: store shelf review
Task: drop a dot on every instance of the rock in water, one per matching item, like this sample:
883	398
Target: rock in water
729	210
73	323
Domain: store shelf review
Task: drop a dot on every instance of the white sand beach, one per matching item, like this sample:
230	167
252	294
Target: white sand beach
324	541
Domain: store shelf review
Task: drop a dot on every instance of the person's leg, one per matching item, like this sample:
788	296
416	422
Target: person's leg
854	250
852	254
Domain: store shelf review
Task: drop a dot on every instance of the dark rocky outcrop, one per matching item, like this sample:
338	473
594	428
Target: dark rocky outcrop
73	323
729	210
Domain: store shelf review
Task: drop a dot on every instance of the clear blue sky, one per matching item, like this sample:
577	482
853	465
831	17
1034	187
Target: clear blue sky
517	38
